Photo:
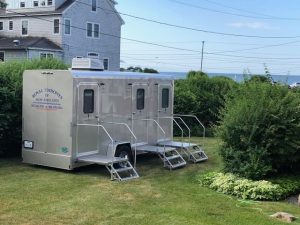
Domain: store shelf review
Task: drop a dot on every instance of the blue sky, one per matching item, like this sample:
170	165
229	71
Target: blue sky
284	59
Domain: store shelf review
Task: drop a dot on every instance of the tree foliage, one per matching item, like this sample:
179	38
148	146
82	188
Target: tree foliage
11	101
260	127
202	96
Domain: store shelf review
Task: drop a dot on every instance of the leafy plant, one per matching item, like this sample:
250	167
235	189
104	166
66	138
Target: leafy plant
259	128
11	100
247	189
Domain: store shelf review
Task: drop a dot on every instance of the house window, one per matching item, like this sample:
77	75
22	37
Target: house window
46	55
93	55
56	26
96	30
1	56
67	26
25	27
88	101
165	98
106	63
50	2
11	25
43	3
1	25
22	4
140	99
94	5
89	30
35	3
93	30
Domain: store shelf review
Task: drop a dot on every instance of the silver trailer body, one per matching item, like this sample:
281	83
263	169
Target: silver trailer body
75	118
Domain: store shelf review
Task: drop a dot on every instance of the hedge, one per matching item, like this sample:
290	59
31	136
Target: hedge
11	101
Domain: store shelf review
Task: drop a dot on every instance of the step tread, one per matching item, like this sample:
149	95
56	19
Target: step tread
124	169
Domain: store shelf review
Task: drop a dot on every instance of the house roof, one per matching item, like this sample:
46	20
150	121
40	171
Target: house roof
7	43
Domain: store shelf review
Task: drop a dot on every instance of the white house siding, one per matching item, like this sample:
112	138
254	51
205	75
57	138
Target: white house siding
36	27
14	55
78	44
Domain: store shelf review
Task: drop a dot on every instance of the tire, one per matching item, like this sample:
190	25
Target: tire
124	151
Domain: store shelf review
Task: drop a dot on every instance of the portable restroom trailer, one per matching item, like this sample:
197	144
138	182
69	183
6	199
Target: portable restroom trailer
73	118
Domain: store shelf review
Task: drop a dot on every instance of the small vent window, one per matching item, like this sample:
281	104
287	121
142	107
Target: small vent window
140	99
165	98
88	101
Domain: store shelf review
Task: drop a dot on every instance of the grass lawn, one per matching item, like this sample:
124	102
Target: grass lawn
38	195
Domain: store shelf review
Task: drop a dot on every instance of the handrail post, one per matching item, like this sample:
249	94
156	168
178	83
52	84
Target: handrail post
132	134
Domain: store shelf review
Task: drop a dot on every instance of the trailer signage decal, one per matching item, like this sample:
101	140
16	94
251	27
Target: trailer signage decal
47	99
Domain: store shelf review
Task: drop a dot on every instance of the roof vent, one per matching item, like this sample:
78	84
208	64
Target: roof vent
17	43
87	64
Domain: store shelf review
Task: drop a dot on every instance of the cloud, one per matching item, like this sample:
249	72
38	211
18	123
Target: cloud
252	25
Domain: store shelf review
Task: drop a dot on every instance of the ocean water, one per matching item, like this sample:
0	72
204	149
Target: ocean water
285	79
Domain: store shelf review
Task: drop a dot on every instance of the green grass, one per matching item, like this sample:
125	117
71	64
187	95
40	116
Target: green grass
38	195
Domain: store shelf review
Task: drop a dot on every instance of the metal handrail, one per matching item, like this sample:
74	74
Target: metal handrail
195	117
132	134
161	129
94	125
173	119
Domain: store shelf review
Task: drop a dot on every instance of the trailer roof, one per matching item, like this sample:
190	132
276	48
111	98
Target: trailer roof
119	75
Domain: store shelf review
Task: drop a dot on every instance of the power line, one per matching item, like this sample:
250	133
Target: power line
232	14
241	10
193	29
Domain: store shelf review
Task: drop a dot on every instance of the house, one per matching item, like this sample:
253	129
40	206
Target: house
63	29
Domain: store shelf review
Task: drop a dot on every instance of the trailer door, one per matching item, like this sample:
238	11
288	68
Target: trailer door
87	136
165	108
139	111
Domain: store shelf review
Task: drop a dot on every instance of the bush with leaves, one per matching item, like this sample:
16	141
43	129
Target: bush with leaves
202	96
260	126
247	189
11	101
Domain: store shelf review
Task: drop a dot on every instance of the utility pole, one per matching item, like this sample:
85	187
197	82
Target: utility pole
202	55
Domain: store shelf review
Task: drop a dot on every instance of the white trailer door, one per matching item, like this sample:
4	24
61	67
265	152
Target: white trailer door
165	108
139	111
87	137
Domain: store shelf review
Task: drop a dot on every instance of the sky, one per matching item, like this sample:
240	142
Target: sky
278	19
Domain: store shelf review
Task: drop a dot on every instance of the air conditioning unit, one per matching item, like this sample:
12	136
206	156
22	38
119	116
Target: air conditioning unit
87	64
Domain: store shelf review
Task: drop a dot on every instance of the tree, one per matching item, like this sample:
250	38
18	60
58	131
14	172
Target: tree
2	4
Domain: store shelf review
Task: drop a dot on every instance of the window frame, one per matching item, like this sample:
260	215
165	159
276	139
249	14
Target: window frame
165	104
140	105
49	1
47	54
92	108
87	29
22	21
65	26
2	26
3	52
96	55
106	58
94	6
92	30
22	4
59	27
35	1
10	22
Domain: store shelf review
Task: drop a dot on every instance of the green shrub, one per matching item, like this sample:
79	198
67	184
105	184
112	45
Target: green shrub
260	126
247	189
202	96
11	101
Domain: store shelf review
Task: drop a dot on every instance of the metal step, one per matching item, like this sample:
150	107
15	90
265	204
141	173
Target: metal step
198	156
122	174
173	161
193	151
172	157
154	149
